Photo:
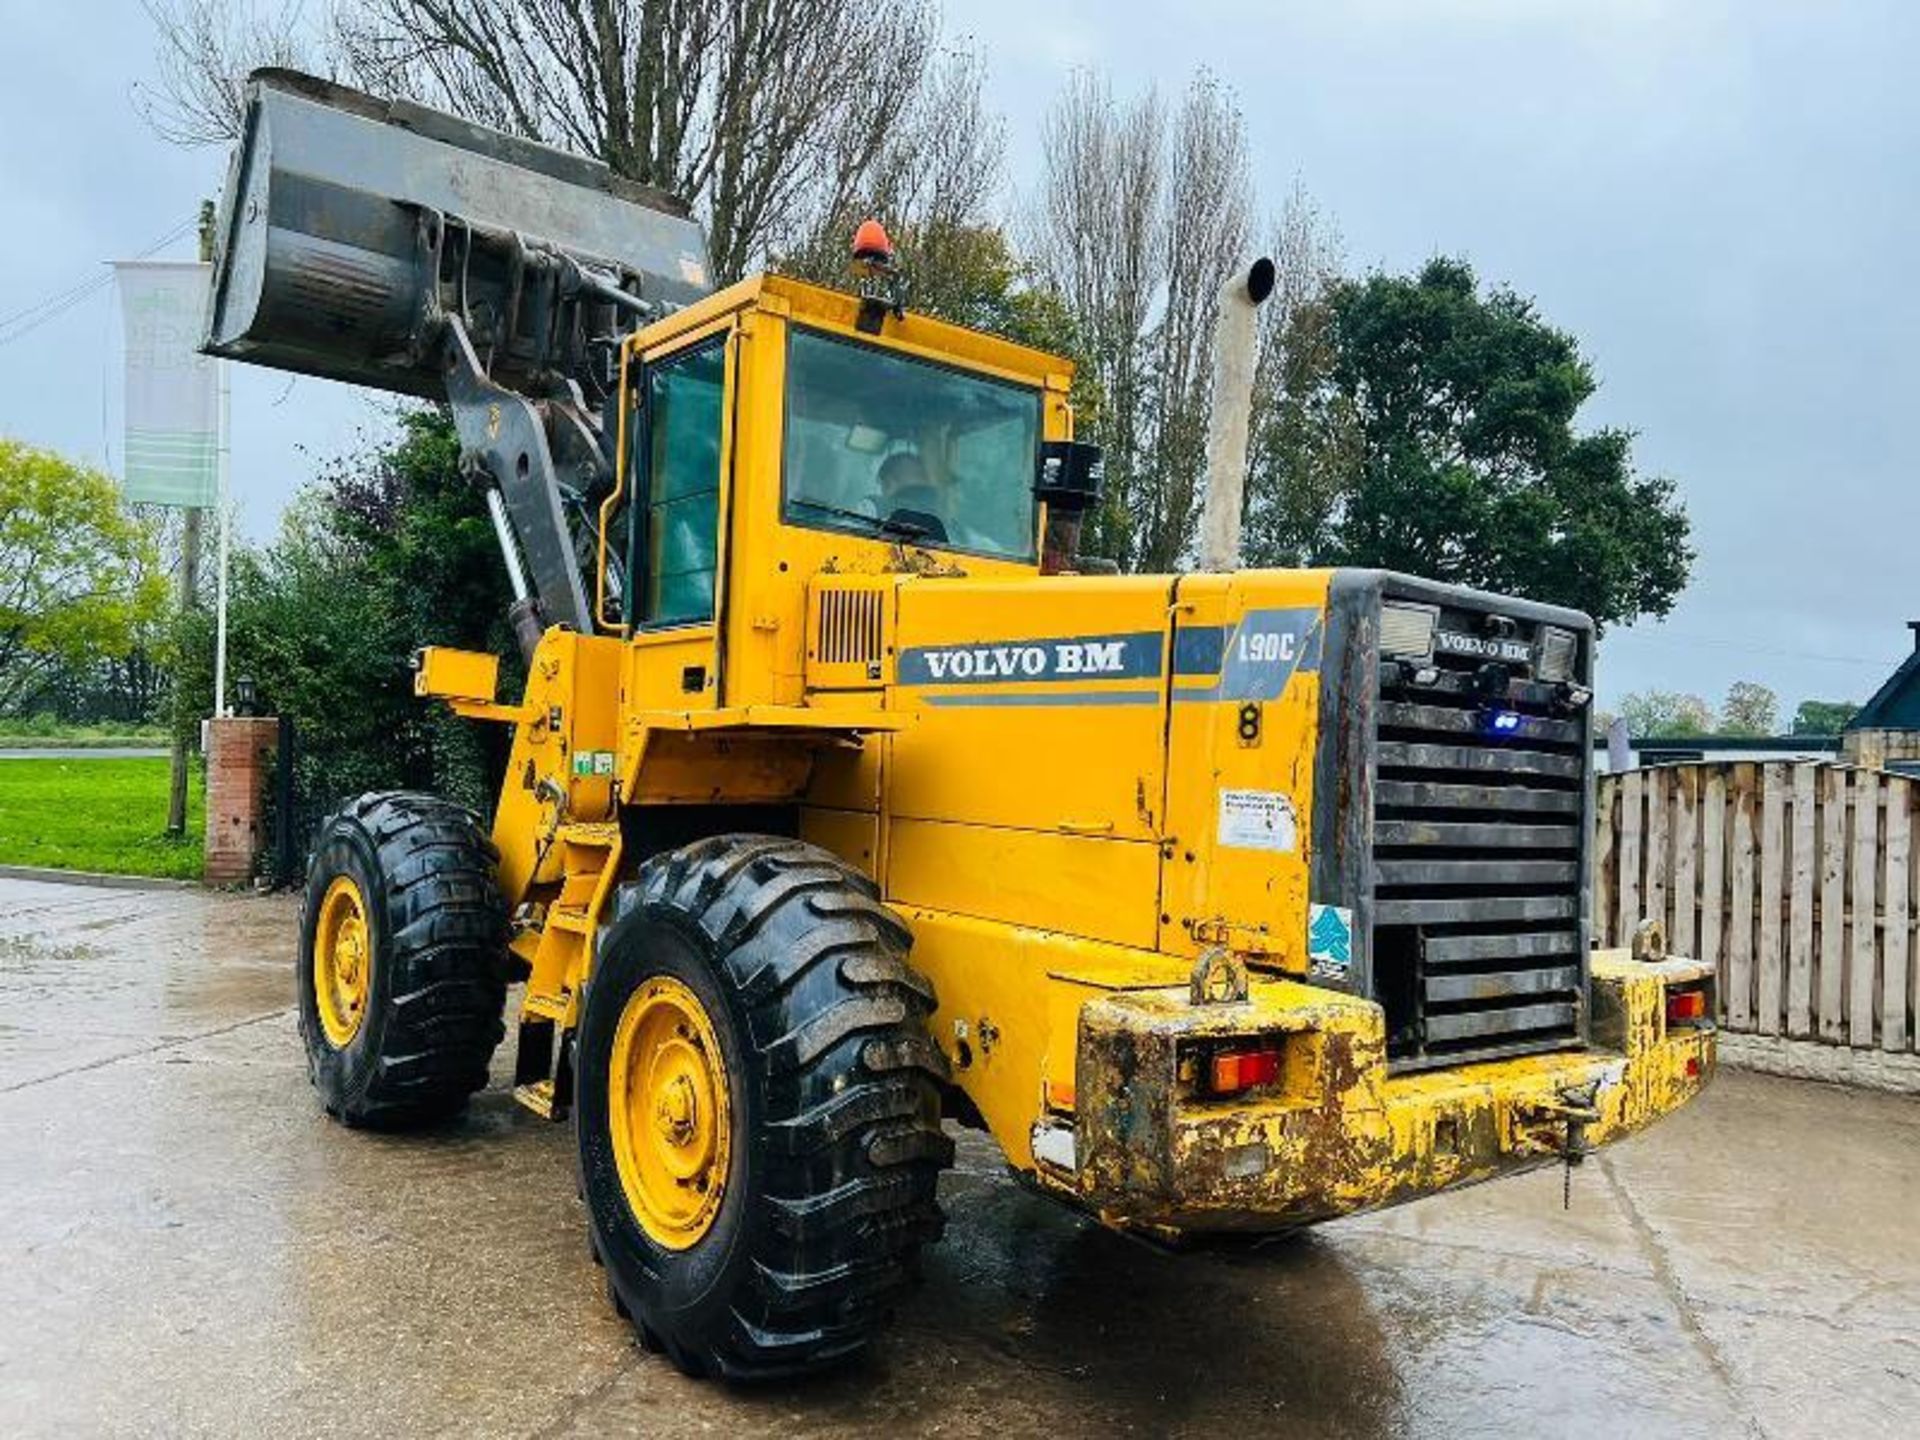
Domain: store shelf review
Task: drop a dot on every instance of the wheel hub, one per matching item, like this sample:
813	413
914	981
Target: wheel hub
342	961
676	1113
668	1110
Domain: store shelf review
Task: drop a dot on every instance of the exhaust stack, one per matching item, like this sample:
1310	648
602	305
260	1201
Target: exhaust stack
1235	347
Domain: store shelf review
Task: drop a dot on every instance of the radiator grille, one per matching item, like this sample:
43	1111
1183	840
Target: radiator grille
849	630
1479	815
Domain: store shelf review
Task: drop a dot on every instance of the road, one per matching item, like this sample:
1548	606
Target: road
192	1248
84	752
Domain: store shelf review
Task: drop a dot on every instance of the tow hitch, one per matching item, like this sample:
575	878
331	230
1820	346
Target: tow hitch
1559	1127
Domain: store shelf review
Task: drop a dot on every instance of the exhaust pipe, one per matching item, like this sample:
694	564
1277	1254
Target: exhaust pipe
1235	348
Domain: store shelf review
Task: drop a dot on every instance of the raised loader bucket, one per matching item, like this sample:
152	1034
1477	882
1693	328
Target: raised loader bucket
351	224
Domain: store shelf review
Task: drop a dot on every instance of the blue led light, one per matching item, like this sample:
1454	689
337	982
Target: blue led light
1505	722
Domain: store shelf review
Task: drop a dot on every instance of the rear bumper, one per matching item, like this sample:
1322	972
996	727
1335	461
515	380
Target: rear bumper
1337	1133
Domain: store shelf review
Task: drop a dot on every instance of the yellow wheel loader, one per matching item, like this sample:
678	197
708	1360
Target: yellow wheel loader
845	798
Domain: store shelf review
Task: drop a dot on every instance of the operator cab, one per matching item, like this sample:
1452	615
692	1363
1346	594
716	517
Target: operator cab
778	430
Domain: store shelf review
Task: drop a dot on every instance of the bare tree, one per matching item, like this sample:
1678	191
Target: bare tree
1095	234
942	166
1208	237
1138	218
1303	442
758	111
762	113
206	49
934	184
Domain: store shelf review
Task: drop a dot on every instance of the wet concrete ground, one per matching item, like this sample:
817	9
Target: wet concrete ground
187	1246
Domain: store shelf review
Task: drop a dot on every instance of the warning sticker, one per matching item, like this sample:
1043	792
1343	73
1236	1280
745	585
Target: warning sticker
1329	940
1257	820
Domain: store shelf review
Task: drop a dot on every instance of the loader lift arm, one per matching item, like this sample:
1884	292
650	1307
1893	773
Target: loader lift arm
387	245
508	445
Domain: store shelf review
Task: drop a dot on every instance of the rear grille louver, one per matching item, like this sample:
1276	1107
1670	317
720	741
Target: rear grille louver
1478	937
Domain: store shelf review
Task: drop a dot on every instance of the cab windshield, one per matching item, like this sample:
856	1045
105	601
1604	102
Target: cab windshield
901	449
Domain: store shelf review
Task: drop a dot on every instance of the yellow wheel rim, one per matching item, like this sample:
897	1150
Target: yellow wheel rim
668	1111
342	956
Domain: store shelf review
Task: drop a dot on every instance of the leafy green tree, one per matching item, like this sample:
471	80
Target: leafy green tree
129	690
79	573
1665	715
1823	717
387	551
1437	436
1750	709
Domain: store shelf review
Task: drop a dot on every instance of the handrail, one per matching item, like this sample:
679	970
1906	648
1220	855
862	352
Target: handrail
620	467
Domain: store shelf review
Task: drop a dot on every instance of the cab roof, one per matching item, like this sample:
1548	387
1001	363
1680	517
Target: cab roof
835	310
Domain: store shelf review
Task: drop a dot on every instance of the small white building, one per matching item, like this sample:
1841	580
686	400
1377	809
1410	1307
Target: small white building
1682	750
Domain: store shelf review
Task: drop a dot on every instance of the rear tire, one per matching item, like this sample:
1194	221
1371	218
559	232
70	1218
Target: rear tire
403	960
786	962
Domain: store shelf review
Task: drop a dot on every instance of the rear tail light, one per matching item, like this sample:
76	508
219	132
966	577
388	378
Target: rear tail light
1231	1071
1686	1006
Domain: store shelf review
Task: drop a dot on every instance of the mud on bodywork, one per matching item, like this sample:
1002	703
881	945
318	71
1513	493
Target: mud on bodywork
1335	1133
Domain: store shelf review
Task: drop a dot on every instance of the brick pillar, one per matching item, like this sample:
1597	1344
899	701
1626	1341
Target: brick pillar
240	751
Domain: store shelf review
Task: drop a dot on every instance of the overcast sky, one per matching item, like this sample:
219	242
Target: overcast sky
1719	200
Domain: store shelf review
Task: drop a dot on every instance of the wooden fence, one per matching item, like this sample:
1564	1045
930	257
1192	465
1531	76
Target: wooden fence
1796	879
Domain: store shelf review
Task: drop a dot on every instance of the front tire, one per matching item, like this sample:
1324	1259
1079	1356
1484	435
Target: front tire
758	1107
403	960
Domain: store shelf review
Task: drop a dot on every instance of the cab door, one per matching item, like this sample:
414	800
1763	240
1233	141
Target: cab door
671	532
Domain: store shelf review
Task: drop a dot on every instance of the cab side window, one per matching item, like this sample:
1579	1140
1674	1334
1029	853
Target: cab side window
677	454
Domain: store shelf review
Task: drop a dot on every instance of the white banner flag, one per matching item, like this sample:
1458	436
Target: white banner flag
173	407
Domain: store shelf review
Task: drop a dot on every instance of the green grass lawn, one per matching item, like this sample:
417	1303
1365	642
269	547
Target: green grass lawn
107	815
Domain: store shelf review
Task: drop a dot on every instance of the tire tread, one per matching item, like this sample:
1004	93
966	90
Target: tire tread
850	1174
447	938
